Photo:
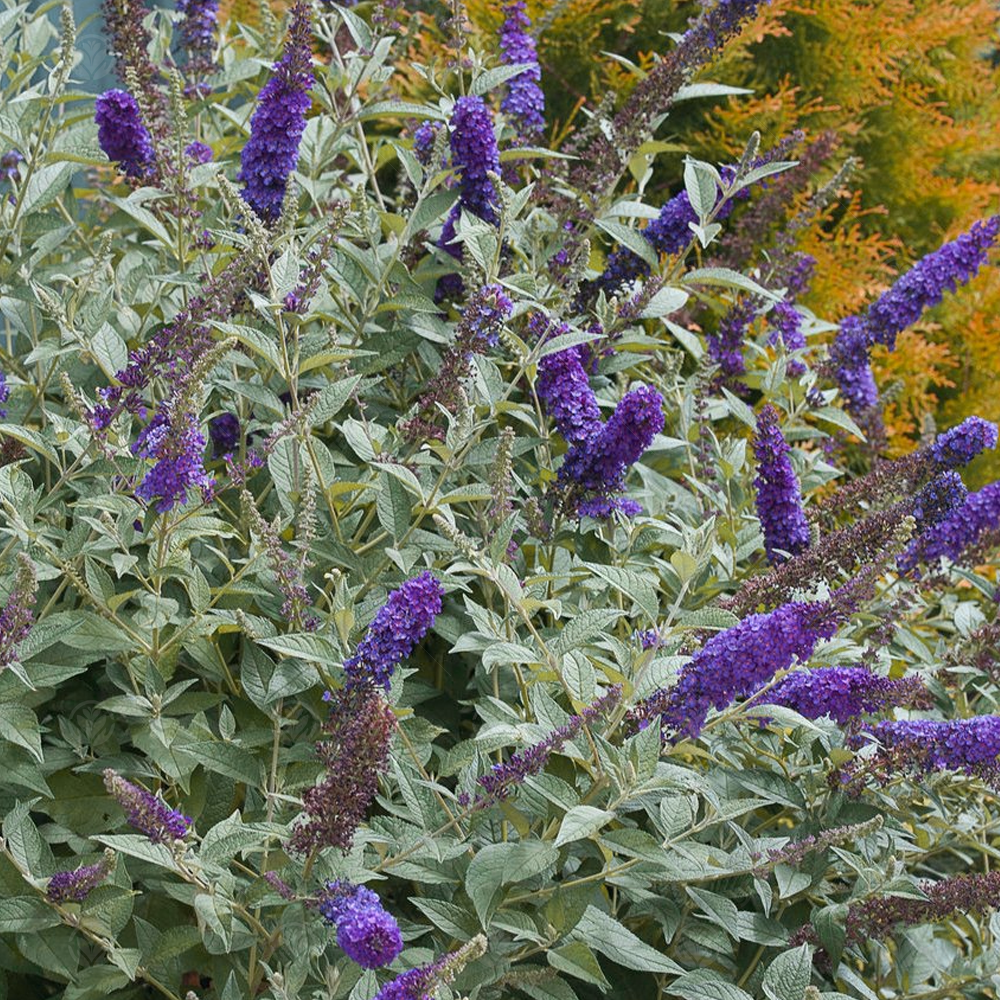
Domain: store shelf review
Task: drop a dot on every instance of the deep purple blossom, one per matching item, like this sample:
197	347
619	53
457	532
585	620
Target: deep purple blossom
786	325
122	134
422	983
602	507
503	778
9	165
961	444
843	693
487	311
725	346
921	746
197	31
148	813
404	619
177	445
272	151
75	886
958	532
943	495
366	933
924	285
474	154
224	430
16	617
524	100
424	137
198	152
876	917
736	663
852	370
4	393
563	386
779	496
599	462
354	751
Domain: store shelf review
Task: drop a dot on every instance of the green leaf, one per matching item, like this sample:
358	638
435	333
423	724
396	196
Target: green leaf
576	959
18	724
25	913
582	628
789	974
225	758
139	847
497	865
701	181
45	185
580	823
331	399
701	984
615	941
632	239
392	505
305	645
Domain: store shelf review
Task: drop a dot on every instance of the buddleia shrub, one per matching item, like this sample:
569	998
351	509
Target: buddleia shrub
400	600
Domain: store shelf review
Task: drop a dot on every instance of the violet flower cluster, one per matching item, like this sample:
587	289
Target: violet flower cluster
779	496
786	326
404	619
422	983
501	780
272	151
75	886
4	393
843	693
922	746
961	444
16	617
936	501
175	442
958	532
197	31
563	387
475	155
876	918
524	101
595	466
366	932
122	135
736	663
224	433
354	752
148	813
921	288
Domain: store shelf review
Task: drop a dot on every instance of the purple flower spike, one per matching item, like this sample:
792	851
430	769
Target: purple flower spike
786	322
921	746
524	101
963	443
779	498
852	369
16	617
475	155
735	663
354	752
422	983
599	463
366	933
938	499
147	813
960	531
197	31
122	134
564	387
224	430
272	151
177	445
4	393
404	619
198	152
843	693
924	285
76	885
